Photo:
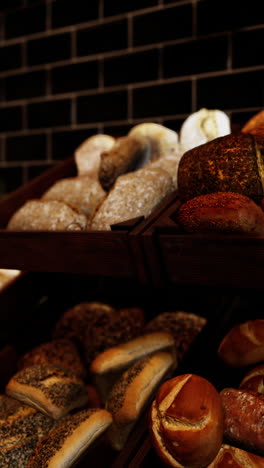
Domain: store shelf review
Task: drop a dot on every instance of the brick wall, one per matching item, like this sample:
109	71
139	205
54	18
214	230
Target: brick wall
69	69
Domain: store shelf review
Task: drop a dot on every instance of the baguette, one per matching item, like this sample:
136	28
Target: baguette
243	344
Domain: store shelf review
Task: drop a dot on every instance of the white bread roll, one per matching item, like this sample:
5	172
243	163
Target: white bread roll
203	126
70	439
243	344
163	140
132	393
234	457
133	195
47	215
88	155
83	193
107	367
186	422
51	389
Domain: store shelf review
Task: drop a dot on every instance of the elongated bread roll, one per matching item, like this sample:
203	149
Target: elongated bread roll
47	215
132	393
52	389
107	367
88	155
163	140
243	344
71	438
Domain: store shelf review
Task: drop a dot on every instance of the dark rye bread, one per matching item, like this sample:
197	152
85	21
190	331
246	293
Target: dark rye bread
232	163
61	351
21	428
71	438
183	326
53	390
133	392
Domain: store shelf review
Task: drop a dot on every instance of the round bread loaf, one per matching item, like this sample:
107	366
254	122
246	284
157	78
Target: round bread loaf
243	419
62	352
183	326
243	344
232	163
221	212
186	422
254	380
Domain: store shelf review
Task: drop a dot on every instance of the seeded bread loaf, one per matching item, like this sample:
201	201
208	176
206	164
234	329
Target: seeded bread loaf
52	389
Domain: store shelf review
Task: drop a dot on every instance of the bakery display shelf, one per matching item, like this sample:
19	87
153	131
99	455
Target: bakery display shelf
215	259
114	253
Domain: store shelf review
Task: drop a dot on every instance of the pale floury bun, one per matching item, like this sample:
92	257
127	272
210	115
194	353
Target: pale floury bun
163	140
88	155
203	126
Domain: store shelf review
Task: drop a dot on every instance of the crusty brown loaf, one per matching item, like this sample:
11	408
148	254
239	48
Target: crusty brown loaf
123	157
254	380
243	419
232	163
109	365
243	344
183	326
61	351
234	457
133	195
51	389
21	427
133	391
222	212
64	445
47	215
186	421
83	192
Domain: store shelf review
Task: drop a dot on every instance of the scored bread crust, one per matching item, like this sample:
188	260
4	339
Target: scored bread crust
47	215
51	389
234	456
133	391
65	444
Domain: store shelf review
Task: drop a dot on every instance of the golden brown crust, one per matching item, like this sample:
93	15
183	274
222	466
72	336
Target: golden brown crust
51	389
222	212
255	125
233	163
186	421
233	457
243	419
243	344
254	380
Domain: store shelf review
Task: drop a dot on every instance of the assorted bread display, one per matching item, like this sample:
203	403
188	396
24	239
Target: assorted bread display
93	380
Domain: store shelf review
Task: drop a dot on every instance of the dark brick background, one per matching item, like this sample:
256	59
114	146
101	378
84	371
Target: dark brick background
73	68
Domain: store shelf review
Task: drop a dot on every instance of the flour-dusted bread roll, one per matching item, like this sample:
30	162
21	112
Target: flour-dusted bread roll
52	389
243	344
234	457
243	419
83	193
70	439
88	155
123	157
183	326
133	195
47	215
203	126
162	140
186	422
169	163
232	163
21	428
254	380
61	351
107	367
133	392
222	212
